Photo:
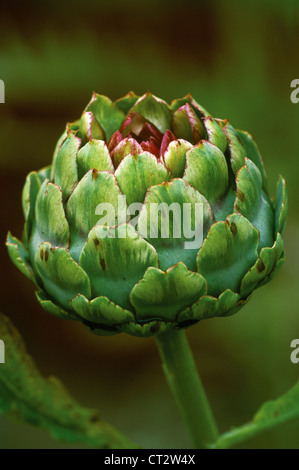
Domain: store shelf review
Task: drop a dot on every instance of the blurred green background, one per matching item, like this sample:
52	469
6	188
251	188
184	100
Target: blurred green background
238	60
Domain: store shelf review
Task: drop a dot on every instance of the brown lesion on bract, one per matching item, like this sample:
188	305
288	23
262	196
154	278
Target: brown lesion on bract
96	242
240	195
103	264
260	266
242	302
41	254
233	228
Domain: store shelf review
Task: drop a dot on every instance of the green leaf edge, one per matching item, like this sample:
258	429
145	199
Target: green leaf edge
270	414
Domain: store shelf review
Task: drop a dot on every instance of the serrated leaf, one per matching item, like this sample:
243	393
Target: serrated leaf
25	395
271	414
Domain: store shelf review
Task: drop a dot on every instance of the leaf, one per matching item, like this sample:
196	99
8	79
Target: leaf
25	395
271	414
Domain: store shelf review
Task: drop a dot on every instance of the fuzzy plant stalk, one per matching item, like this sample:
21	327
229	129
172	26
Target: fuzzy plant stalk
98	254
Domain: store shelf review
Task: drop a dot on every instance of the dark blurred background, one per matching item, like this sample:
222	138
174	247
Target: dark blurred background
238	60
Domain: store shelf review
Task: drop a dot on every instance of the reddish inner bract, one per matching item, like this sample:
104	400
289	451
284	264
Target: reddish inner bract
144	133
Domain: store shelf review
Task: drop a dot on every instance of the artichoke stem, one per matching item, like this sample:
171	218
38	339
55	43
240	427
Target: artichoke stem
183	379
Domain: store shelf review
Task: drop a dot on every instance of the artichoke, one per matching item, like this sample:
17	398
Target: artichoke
151	153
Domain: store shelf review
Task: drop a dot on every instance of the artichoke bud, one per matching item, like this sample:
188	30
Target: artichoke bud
106	240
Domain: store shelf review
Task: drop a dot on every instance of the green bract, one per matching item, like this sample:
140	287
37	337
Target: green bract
150	152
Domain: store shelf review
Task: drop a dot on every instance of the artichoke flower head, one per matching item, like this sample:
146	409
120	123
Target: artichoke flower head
124	274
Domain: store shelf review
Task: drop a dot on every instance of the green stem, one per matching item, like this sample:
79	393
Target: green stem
183	379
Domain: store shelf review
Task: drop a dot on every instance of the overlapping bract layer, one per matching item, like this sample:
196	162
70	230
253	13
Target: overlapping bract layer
149	152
